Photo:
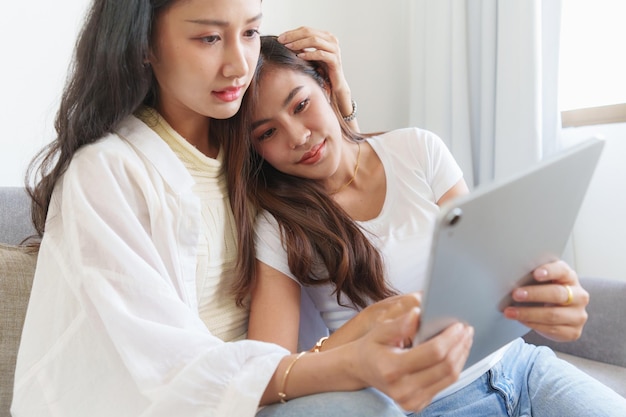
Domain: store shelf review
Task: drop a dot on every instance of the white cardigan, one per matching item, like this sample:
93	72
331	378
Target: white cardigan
112	327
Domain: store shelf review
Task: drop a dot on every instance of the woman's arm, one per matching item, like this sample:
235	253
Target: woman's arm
367	351
412	377
458	189
274	308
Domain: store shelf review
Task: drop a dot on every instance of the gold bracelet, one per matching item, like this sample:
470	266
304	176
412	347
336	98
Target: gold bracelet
318	346
281	393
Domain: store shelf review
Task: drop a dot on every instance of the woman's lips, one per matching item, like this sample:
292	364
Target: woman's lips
314	155
229	94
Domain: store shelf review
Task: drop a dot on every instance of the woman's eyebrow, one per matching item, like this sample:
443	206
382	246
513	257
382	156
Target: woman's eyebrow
290	97
223	23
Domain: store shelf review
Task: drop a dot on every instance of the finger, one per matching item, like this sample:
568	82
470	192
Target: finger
413	299
415	391
399	304
318	55
304	38
557	294
435	349
306	33
548	315
558	271
395	331
293	34
392	307
557	333
556	323
314	44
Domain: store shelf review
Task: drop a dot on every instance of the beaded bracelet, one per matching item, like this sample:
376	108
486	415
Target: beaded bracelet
281	394
352	115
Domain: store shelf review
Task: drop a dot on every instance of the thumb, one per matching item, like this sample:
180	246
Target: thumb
395	331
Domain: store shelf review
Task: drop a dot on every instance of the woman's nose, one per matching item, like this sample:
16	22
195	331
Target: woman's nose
235	63
298	135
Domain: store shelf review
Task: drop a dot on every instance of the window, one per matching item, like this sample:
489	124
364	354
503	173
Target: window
592	68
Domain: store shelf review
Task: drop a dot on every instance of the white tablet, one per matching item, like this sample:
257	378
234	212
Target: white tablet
488	242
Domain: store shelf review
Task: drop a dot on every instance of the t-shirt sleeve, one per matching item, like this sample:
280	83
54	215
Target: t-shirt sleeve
268	244
439	165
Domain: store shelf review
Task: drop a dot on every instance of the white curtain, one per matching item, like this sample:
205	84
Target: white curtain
484	77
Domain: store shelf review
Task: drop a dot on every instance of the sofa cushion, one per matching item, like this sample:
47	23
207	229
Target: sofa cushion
17	267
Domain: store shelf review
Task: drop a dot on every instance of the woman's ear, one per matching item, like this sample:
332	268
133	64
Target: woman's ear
151	57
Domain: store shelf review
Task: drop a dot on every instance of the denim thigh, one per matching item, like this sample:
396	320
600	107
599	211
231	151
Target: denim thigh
364	403
531	380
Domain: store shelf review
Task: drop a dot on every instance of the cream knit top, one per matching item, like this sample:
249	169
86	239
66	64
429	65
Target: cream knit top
217	246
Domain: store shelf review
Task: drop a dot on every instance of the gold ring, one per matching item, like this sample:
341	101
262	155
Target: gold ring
570	295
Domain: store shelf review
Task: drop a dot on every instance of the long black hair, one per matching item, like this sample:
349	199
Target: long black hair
108	80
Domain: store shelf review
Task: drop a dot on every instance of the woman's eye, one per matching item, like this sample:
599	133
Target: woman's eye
211	39
301	106
252	33
265	135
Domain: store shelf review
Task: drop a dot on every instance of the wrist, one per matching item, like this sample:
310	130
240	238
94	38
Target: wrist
320	343
343	97
306	374
352	330
352	115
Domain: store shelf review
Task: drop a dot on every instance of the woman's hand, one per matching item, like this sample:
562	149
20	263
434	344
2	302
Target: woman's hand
384	310
560	312
412	377
317	45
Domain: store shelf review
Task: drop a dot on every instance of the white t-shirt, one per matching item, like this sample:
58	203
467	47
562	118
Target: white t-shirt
419	170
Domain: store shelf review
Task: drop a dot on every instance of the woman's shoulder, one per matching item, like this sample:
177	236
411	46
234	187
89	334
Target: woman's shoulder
266	224
107	155
403	139
408	133
132	151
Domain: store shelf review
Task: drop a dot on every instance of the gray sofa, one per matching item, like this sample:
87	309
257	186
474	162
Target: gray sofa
601	351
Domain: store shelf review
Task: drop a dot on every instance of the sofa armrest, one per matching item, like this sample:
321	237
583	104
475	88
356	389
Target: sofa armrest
604	336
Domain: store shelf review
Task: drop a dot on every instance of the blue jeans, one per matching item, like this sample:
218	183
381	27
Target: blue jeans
527	381
364	403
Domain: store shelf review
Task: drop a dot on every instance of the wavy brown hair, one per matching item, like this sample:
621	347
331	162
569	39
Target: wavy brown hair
314	229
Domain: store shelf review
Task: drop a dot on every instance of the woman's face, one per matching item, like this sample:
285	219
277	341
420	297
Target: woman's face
203	56
294	127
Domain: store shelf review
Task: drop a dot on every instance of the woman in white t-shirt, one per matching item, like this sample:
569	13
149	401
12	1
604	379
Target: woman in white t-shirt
346	220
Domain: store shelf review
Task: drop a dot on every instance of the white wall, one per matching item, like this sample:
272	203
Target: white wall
36	42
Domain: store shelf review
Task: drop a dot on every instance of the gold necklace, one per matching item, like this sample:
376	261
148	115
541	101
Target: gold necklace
356	169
